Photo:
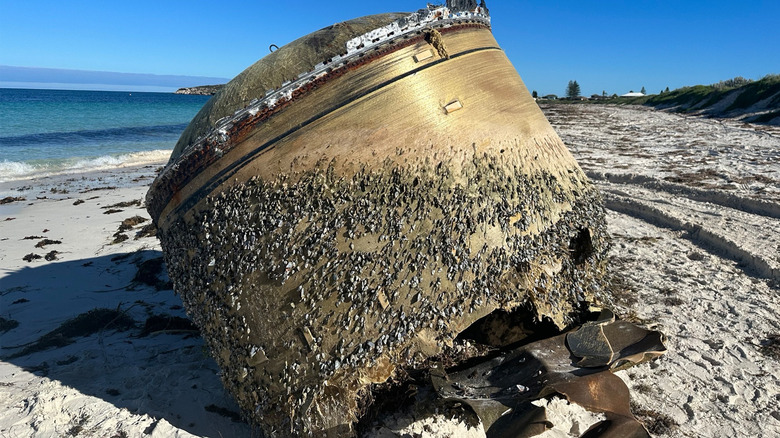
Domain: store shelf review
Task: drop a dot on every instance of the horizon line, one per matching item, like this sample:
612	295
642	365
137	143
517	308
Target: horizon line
29	76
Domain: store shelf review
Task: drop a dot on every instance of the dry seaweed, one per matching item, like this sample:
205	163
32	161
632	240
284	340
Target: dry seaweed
131	222
227	413
98	188
79	426
124	204
7	324
10	199
771	346
119	237
88	323
148	230
655	422
45	242
149	274
168	324
30	257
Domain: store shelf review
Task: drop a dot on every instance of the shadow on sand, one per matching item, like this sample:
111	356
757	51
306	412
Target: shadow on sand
97	327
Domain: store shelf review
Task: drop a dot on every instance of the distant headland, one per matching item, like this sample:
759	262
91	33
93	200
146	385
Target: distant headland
205	90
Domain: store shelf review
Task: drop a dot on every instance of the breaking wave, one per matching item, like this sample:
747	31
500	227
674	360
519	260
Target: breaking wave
17	170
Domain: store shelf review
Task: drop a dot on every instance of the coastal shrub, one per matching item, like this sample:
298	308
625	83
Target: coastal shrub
758	91
736	82
687	97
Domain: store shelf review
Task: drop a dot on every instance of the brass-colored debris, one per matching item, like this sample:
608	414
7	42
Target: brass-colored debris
354	230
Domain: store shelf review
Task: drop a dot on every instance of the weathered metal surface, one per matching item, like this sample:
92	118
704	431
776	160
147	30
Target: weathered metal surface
352	224
500	390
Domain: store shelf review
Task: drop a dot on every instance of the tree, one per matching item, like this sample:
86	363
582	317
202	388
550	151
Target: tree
643	91
573	90
535	94
604	93
667	90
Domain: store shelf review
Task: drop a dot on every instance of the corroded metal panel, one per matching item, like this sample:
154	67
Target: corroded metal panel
326	237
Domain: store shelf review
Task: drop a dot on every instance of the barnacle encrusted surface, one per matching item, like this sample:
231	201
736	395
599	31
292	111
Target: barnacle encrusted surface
309	288
353	222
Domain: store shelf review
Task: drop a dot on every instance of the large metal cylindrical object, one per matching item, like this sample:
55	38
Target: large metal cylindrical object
350	203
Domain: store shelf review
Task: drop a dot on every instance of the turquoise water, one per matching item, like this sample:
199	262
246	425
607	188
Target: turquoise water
51	131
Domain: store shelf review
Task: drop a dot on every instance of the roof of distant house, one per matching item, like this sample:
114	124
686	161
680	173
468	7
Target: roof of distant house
632	94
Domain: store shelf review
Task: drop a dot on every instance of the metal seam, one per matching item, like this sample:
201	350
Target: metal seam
234	167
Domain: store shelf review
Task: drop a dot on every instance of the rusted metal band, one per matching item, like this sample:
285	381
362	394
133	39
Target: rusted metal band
228	172
211	148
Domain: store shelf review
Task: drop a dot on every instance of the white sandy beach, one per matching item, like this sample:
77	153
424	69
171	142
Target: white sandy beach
695	219
694	210
110	383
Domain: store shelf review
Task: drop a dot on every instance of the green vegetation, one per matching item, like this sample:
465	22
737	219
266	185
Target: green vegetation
746	93
756	101
685	97
573	90
757	91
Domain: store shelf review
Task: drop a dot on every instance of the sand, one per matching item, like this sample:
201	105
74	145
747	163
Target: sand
110	383
694	209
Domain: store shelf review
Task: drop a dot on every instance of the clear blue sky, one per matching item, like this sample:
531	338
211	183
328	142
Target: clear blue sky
614	46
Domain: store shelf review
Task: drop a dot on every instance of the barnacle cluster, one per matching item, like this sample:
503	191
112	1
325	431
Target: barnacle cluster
310	286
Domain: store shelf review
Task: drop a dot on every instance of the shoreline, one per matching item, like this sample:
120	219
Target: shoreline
75	168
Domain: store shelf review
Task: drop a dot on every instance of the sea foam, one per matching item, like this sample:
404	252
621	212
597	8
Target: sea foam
16	170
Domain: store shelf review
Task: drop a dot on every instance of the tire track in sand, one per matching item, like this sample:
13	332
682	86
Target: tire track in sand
751	240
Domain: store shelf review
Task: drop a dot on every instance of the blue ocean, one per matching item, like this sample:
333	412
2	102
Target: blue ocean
56	131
